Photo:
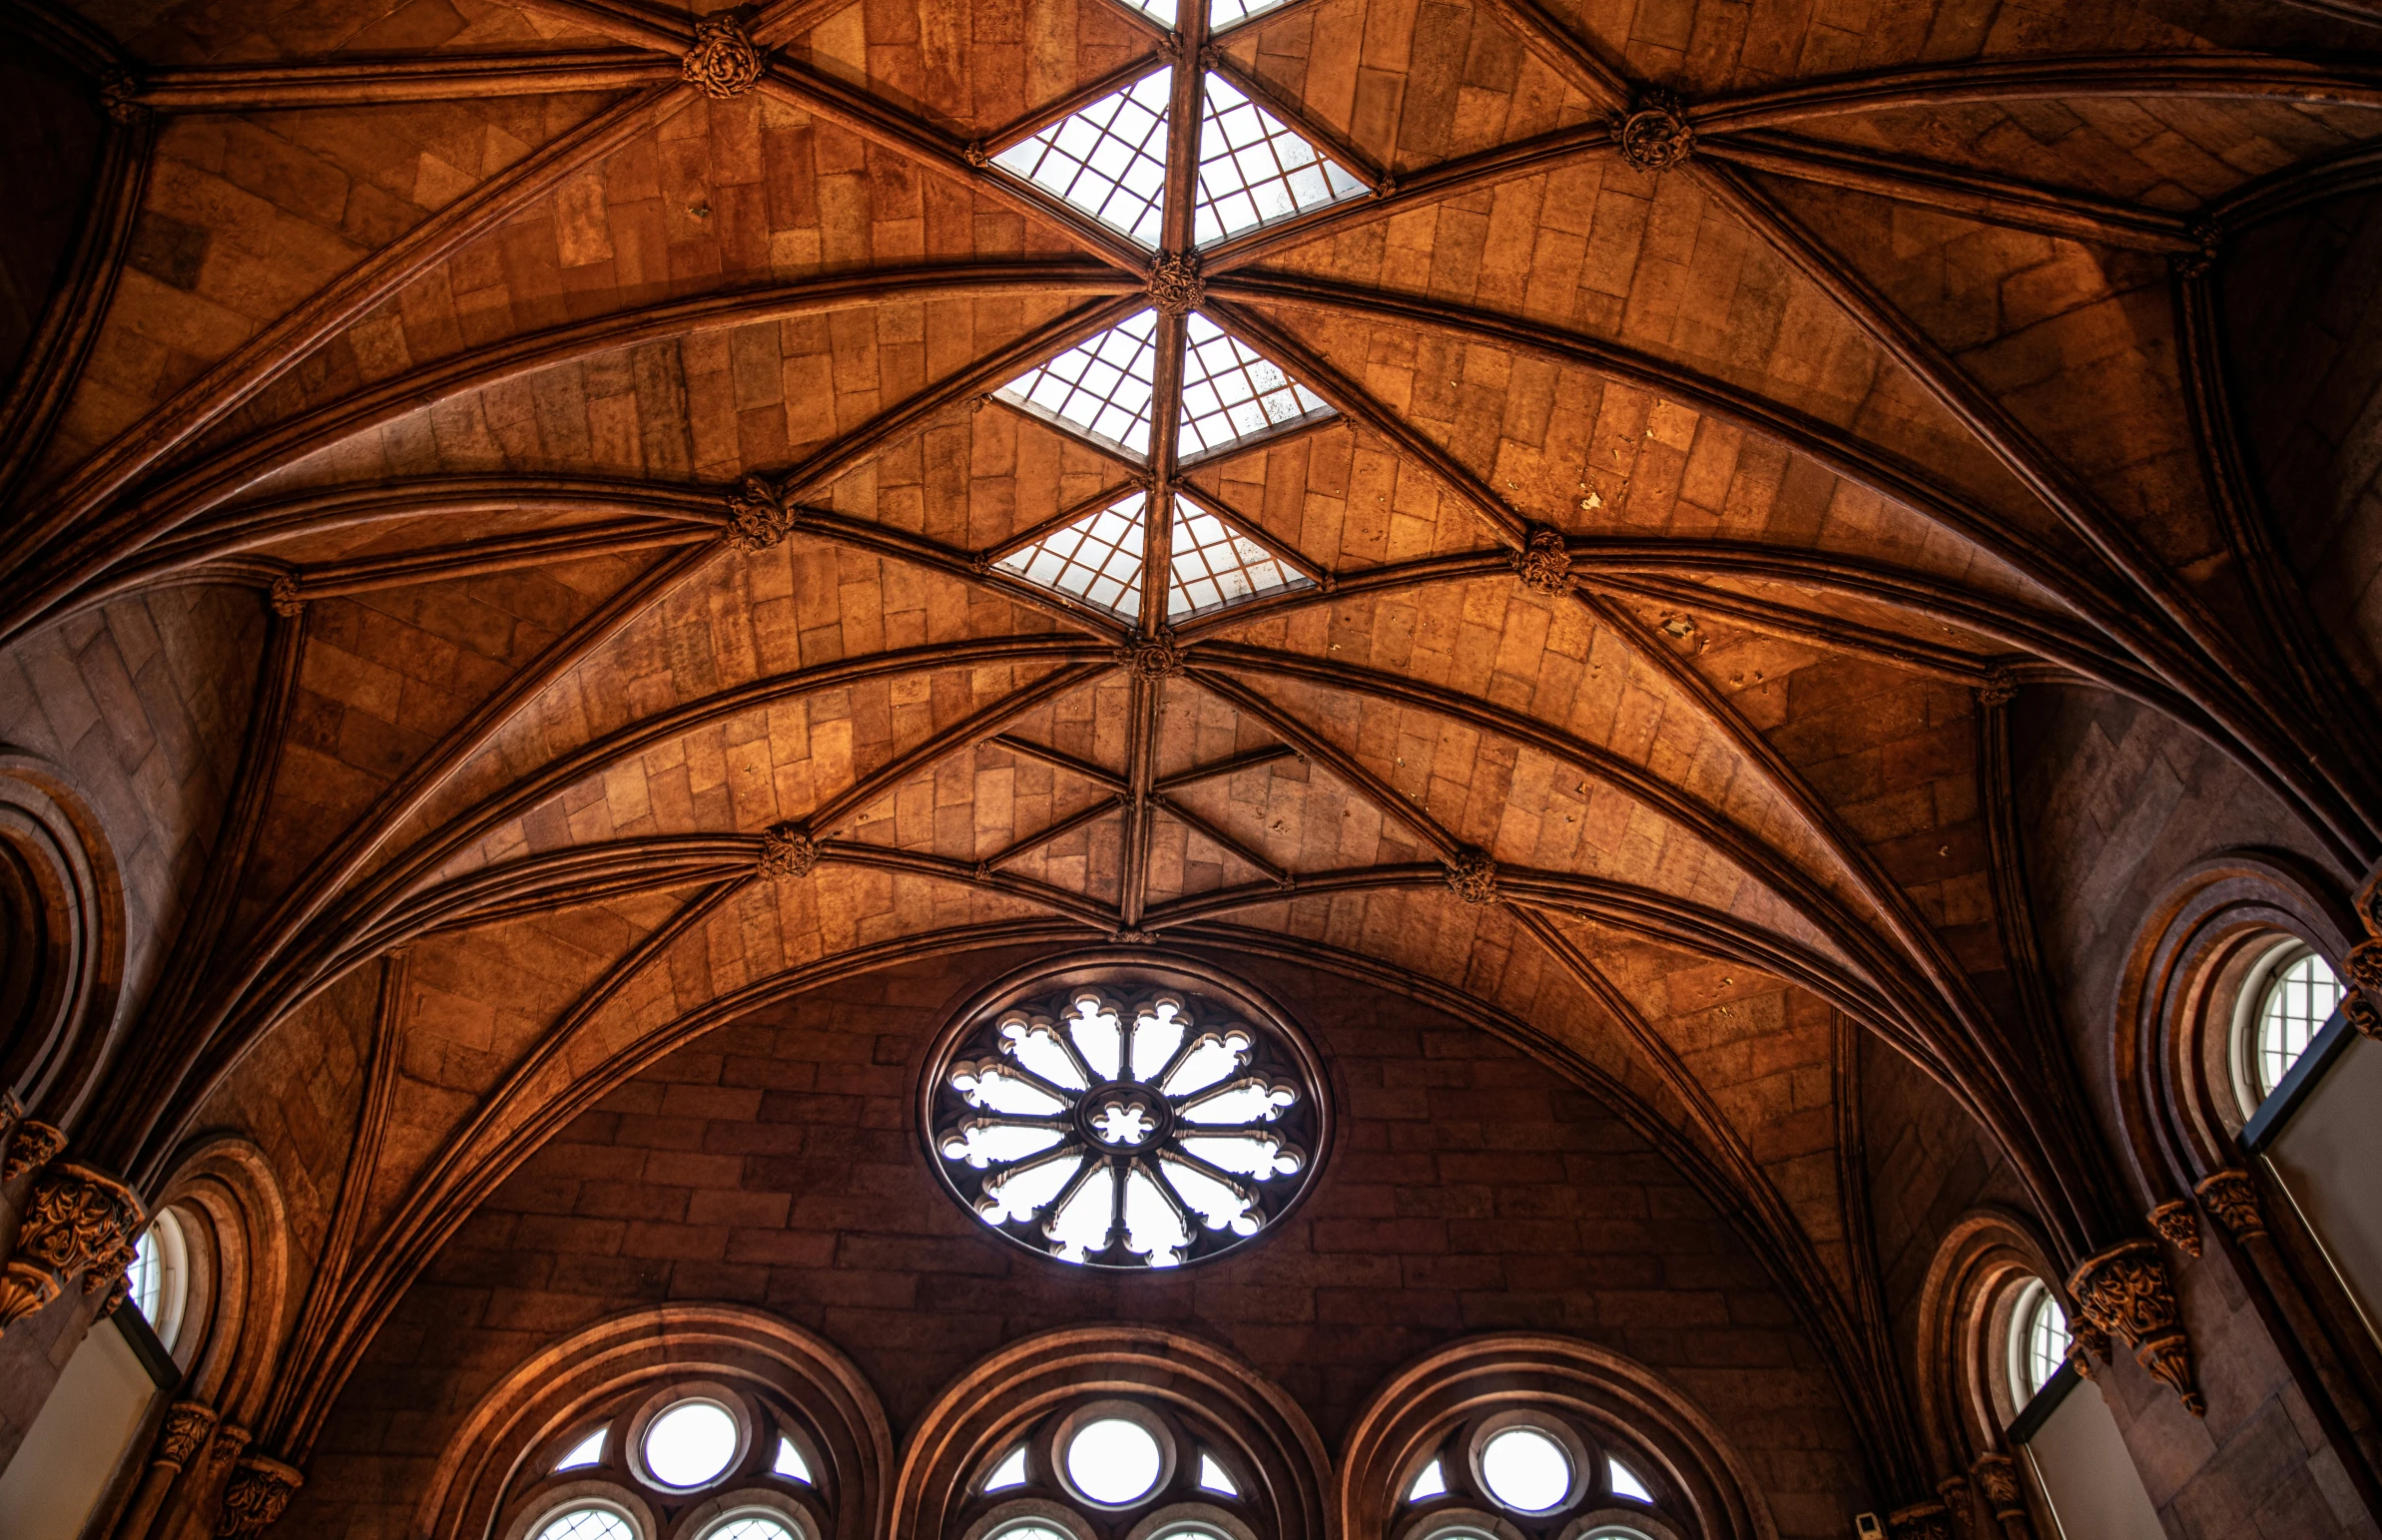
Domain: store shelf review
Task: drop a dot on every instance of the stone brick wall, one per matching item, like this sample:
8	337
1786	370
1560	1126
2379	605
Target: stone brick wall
775	1162
2118	801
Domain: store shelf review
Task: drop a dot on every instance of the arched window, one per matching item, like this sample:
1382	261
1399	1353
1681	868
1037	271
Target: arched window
1114	1466
160	1277
2286	1000
2038	1339
693	1460
1529	1472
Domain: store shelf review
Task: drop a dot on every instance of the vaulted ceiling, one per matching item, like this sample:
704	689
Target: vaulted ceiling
1714	413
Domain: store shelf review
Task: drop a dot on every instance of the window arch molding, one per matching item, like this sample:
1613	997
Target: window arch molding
1982	1268
1009	1394
488	1478
1707	1489
236	1237
2200	949
61	905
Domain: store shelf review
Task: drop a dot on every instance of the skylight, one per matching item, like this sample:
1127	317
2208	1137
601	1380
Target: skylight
1213	565
1253	171
1109	160
1227	13
1231	393
1100	388
1096	560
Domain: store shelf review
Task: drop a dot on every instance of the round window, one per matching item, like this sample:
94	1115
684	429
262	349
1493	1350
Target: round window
689	1444
1115	1461
159	1276
1525	1470
2300	995
1126	1121
751	1526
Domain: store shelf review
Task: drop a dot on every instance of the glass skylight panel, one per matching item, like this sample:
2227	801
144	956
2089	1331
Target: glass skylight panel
1100	388
1162	10
1109	160
1231	393
1229	13
1211	565
1253	171
1095	559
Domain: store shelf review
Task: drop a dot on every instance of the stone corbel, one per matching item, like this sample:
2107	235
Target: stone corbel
2231	1198
1920	1521
31	1146
261	1489
77	1225
1996	1476
2125	1292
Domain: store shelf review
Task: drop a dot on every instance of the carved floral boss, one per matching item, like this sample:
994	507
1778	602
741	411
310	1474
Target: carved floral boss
1123	1136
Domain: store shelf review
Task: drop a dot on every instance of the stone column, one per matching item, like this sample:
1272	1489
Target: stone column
188	1424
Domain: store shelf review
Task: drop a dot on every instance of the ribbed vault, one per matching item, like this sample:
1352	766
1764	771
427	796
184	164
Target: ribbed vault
1700	433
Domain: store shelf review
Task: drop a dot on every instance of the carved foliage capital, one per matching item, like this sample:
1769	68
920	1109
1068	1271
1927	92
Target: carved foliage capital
1545	561
2177	1226
2125	1290
788	852
1920	1521
187	1426
2365	969
1996	1476
75	1221
31	1146
2000	689
723	64
119	97
2231	1198
261	1489
1656	135
1473	875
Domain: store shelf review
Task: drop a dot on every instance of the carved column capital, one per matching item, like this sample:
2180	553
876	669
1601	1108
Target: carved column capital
75	1222
723	64
2365	976
2125	1292
31	1146
1920	1521
1545	561
188	1427
1996	1476
2232	1198
261	1489
2177	1226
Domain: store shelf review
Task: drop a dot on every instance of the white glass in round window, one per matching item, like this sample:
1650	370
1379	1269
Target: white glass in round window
159	1276
587	1524
2300	997
2039	1341
1525	1470
690	1444
1115	1461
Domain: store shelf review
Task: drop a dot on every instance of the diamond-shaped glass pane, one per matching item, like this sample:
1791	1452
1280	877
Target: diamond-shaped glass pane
1211	565
1253	171
1231	393
1163	10
1225	13
1100	388
1096	559
1109	160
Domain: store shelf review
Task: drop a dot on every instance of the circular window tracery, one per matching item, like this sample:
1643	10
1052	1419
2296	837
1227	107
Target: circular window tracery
691	1443
588	1522
1127	1469
1529	1472
1128	1121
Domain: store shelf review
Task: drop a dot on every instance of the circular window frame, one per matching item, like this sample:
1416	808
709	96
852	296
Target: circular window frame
741	1411
548	1501
1129	975
1586	1471
2028	1297
1062	1434
1460	1516
1617	1524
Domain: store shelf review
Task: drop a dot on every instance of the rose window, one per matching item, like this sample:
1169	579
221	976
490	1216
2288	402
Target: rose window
1125	1135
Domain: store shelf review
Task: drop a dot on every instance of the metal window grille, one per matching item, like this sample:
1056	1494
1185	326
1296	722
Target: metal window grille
1231	392
1253	171
1100	388
1096	560
1109	160
1212	566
